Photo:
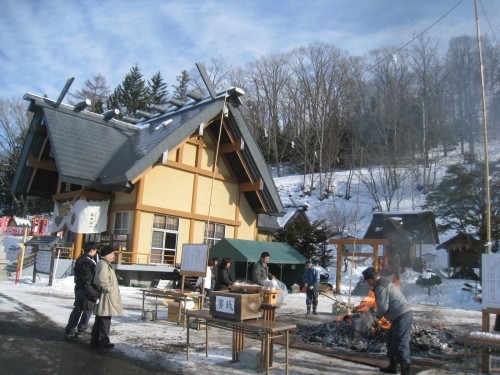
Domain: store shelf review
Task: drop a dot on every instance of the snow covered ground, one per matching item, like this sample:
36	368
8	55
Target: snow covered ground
451	304
164	342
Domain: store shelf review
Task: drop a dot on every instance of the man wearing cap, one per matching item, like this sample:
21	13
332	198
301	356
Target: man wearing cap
110	302
311	285
392	305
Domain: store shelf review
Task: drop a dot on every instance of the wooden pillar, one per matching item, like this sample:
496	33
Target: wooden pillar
376	264
78	245
136	227
338	279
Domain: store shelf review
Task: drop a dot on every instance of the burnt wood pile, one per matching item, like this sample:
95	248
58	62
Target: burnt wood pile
359	332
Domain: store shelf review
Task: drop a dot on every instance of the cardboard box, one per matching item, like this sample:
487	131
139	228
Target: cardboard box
173	313
173	310
235	306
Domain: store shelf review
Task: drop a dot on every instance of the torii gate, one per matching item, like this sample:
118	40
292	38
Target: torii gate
341	252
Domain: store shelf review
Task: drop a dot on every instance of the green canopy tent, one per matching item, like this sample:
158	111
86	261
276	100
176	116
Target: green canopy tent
286	263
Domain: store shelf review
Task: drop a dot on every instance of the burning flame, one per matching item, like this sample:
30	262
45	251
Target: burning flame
365	306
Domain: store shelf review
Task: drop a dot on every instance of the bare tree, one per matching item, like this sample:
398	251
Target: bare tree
465	85
219	73
269	77
13	128
97	90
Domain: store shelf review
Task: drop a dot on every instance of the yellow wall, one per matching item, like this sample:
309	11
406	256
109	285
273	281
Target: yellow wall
125	198
223	199
168	187
169	190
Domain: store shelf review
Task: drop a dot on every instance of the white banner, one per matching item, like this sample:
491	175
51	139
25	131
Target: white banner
81	217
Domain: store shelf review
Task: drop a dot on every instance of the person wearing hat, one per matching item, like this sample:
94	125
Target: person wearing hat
85	294
311	285
392	305
110	301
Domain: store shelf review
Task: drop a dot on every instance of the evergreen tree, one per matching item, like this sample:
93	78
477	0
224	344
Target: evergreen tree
157	90
132	93
459	200
96	90
309	239
180	91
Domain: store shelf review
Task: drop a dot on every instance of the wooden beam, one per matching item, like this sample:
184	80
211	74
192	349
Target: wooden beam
232	147
251	186
358	241
37	163
70	195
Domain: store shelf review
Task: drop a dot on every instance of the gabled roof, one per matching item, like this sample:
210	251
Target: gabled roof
250	251
419	226
461	241
108	155
268	223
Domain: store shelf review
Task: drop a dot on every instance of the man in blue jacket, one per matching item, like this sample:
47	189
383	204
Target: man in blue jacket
392	305
311	286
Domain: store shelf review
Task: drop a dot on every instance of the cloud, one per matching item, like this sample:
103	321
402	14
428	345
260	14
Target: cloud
43	43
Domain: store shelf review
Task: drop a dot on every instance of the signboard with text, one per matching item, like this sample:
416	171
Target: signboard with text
490	264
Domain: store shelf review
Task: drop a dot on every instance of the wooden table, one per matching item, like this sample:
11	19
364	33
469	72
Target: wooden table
264	330
175	294
487	342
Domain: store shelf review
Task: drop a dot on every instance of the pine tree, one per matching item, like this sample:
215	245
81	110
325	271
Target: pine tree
459	200
132	93
180	91
157	90
309	239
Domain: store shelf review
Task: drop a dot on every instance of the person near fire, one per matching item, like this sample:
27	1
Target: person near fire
392	304
260	270
224	279
110	301
311	286
85	294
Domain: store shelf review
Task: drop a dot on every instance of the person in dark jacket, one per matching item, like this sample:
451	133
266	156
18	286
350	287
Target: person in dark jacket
392	305
260	270
85	293
224	279
311	286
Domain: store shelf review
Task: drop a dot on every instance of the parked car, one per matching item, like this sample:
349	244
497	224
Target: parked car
323	273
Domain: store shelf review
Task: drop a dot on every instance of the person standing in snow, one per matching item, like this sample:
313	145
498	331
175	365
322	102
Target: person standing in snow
85	294
260	270
311	286
392	305
110	301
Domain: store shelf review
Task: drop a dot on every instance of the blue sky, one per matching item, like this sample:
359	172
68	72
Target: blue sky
45	42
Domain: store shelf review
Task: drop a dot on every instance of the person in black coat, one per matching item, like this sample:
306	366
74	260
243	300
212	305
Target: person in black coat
85	293
223	277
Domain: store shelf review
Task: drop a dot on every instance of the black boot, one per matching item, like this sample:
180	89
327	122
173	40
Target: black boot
405	369
391	369
314	311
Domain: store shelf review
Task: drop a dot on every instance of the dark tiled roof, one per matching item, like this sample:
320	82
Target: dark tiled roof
107	155
419	226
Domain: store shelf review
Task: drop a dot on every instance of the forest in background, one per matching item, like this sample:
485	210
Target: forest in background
397	112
